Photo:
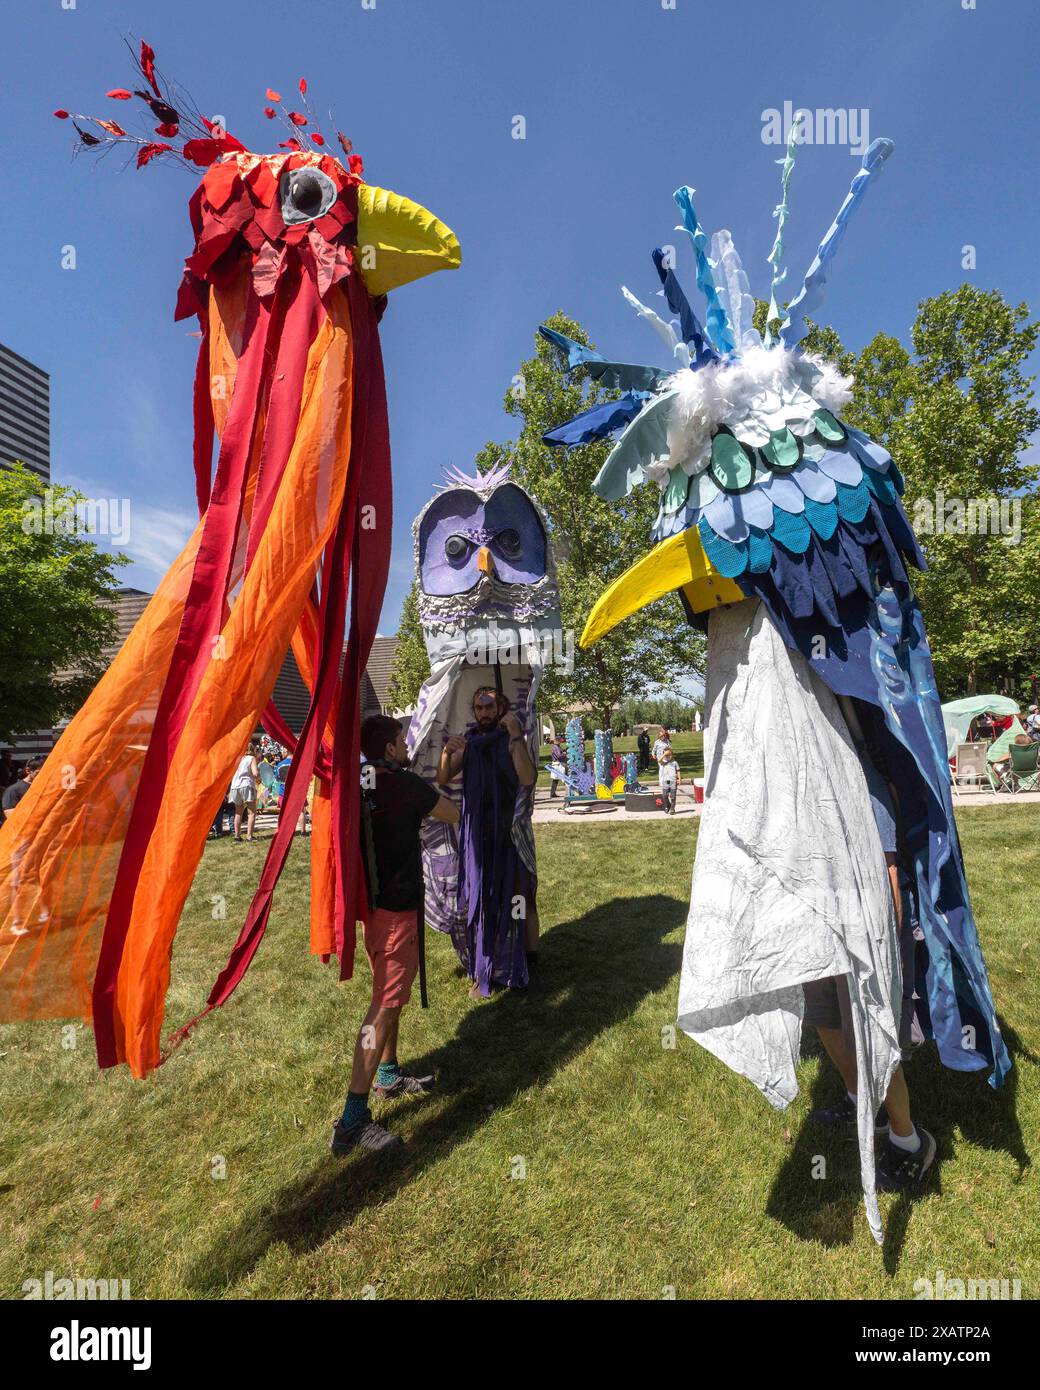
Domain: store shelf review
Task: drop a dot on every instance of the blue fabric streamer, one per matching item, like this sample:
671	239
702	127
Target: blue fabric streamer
810	296
716	321
599	421
689	325
623	376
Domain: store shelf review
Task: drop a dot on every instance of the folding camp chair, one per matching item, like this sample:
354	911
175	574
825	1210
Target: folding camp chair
1000	752
1024	775
972	769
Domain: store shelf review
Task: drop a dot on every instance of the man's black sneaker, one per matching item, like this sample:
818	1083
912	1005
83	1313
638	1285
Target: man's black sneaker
406	1086
842	1115
363	1134
897	1170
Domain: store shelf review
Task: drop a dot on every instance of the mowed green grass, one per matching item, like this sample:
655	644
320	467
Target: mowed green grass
574	1149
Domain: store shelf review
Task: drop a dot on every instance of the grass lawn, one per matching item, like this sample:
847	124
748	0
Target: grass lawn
571	1151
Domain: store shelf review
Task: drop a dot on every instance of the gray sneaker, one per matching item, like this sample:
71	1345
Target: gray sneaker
406	1086
363	1134
897	1170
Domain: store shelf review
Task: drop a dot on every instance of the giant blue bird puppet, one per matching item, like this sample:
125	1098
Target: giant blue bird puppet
782	529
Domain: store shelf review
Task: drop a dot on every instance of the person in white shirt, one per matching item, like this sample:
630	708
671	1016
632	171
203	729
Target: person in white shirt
243	791
667	771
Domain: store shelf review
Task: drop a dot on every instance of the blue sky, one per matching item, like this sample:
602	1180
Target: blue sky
623	101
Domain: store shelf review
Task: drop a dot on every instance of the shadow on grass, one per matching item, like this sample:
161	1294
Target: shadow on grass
943	1101
594	971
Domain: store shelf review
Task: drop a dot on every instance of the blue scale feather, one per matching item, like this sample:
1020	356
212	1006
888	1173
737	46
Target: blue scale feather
853	503
729	558
760	551
822	517
880	486
792	531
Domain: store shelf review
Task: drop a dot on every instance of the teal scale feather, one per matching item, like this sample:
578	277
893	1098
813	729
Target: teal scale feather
822	517
791	530
853	503
760	551
730	558
881	486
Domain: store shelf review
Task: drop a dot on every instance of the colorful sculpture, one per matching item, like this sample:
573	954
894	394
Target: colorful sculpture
293	257
781	527
489	609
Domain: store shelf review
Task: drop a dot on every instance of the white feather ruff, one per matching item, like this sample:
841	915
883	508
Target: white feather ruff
763	390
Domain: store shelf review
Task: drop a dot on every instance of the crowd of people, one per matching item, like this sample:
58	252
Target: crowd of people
987	728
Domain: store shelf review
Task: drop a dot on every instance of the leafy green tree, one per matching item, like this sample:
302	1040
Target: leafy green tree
54	618
958	416
411	664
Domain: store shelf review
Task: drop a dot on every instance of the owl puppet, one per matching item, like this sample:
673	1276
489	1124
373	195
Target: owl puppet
781	527
489	609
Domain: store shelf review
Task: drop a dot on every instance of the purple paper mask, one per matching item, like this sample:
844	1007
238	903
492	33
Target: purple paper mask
459	522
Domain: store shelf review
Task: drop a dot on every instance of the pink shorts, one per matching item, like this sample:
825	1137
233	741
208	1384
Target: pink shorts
392	946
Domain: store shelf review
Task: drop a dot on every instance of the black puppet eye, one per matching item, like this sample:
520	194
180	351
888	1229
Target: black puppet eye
508	542
305	194
455	547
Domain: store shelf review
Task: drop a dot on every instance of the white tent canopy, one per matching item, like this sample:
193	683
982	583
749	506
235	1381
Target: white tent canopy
958	714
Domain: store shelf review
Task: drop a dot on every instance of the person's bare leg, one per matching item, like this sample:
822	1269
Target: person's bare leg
238	821
841	1054
370	1046
897	1103
250	820
389	1053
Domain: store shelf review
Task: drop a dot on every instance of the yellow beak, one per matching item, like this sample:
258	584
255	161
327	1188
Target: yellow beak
677	563
399	241
485	563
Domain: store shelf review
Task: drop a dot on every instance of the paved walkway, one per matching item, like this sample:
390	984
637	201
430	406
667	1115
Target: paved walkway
548	812
551	812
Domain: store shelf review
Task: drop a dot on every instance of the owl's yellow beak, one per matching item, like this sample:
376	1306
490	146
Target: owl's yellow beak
399	241
677	563
485	561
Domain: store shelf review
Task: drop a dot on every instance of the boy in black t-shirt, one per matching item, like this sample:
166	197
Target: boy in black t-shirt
398	801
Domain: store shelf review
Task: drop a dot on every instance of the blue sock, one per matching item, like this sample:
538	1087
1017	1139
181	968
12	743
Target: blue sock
388	1073
355	1108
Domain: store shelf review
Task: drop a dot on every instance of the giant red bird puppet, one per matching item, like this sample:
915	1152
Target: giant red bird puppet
293	257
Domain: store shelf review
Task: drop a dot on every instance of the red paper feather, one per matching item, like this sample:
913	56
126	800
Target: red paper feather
148	66
148	152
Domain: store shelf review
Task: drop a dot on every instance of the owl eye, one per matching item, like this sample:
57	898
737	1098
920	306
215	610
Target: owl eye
305	194
508	542
455	547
